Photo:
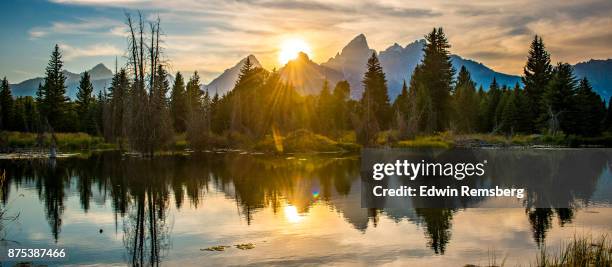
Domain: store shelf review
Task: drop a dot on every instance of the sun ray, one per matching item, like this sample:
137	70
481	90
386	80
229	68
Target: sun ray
290	49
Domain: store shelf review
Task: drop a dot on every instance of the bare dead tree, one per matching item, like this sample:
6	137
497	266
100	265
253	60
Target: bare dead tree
147	120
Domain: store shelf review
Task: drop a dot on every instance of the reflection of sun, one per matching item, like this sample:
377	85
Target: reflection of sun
290	49
292	215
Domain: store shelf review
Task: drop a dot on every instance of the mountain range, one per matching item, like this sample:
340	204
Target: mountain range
398	63
100	75
349	64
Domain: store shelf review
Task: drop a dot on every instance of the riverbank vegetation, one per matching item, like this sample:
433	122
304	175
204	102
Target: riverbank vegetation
143	111
579	251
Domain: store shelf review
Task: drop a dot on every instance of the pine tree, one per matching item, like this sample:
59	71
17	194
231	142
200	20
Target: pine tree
483	106
506	95
6	107
193	93
178	104
590	110
118	97
85	105
558	99
52	100
401	104
161	124
375	96
435	74
536	76
514	119
494	97
341	96
466	102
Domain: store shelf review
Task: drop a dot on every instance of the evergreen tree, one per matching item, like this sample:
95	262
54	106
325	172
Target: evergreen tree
494	97
341	110
401	104
178	104
375	99
53	103
85	105
435	74
590	110
466	102
514	119
26	116
6	107
506	95
324	110
193	93
483	106
558	99
536	76
160	120
118	101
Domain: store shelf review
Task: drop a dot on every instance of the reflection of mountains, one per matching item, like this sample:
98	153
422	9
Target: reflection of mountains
140	191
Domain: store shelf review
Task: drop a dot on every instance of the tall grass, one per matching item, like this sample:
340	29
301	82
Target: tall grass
580	251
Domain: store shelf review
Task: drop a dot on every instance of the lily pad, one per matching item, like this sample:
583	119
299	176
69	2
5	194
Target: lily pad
245	246
215	248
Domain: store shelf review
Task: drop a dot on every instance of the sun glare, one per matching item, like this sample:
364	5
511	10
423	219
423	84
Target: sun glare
291	214
290	49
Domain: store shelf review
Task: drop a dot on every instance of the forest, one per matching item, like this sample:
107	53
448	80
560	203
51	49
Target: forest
143	111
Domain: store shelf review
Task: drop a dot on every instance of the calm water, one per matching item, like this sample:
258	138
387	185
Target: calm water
295	210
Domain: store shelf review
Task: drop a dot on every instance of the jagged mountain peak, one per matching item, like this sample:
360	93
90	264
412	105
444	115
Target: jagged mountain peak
358	43
226	81
100	71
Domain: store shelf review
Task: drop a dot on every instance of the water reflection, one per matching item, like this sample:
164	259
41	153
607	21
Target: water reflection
142	193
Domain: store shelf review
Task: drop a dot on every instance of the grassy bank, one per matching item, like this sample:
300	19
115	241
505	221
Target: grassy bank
14	141
449	140
304	141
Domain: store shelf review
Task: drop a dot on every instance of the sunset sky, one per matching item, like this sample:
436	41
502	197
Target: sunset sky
210	36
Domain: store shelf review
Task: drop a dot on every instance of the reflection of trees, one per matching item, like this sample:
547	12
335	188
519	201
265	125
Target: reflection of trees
50	187
438	224
140	189
146	231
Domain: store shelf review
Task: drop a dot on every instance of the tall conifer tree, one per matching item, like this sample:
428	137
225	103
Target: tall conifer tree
536	76
7	111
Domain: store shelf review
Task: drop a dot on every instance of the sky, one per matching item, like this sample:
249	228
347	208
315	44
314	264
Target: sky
211	36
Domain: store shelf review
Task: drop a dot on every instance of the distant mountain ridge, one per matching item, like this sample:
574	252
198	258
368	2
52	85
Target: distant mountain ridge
307	76
100	75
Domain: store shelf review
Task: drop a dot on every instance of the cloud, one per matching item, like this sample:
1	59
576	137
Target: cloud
209	35
95	50
80	26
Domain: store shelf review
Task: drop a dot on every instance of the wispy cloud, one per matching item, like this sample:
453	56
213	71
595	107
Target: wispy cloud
71	52
81	26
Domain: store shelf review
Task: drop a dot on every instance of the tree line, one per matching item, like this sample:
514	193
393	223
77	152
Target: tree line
143	111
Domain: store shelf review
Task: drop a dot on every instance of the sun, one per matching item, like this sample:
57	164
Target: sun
290	49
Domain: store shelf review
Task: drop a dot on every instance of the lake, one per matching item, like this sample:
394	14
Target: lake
118	209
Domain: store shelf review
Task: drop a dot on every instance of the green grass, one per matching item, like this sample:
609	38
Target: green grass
65	141
580	251
433	141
